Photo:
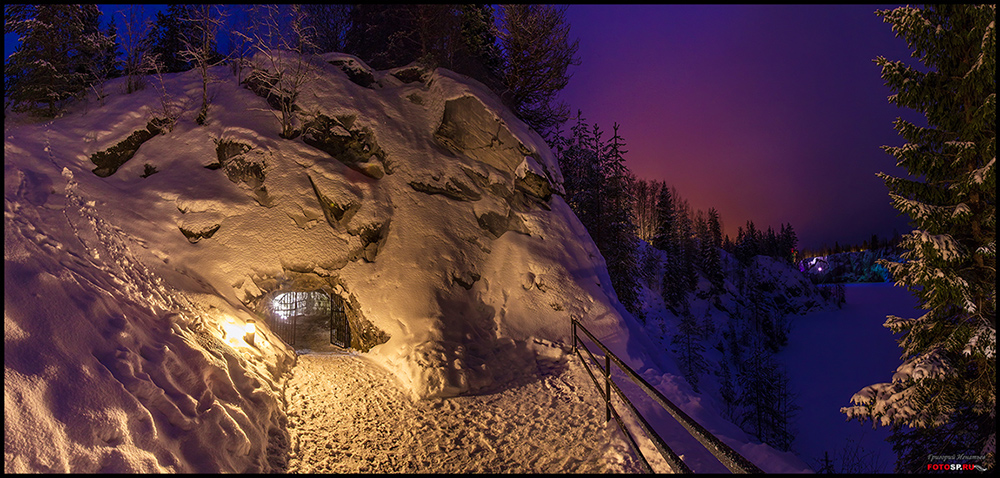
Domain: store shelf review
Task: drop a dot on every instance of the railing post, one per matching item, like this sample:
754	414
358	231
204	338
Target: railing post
573	322
607	386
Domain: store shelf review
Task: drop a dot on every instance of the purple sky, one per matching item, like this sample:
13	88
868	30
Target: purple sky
769	113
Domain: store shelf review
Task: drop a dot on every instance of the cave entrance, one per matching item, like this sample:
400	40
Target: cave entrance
313	319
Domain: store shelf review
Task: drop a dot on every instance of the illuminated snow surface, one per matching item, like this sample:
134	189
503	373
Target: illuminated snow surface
122	339
349	415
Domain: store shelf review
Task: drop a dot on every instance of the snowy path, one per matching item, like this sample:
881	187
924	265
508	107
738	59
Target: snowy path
349	415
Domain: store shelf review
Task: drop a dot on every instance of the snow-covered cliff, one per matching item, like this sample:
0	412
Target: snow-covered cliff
136	250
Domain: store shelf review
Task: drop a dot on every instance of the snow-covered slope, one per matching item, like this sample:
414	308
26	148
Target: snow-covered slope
415	195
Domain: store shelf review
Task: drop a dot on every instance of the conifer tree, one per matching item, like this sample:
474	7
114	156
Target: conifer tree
674	286
689	348
664	235
688	273
383	35
788	242
726	388
947	383
712	257
537	52
620	244
579	165
50	65
166	40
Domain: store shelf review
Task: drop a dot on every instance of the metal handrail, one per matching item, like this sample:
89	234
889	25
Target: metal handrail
724	453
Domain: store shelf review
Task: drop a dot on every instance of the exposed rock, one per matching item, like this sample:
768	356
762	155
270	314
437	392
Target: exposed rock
497	189
241	162
358	73
411	74
465	279
262	198
195	236
373	237
364	334
109	160
337	215
497	224
148	170
356	148
261	83
470	129
533	183
452	188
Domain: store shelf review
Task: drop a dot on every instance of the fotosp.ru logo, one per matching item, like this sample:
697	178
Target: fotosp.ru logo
953	467
931	466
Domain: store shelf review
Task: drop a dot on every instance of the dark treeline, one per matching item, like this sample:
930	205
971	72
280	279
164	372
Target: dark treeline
521	52
873	243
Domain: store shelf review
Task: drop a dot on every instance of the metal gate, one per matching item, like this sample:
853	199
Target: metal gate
294	316
340	333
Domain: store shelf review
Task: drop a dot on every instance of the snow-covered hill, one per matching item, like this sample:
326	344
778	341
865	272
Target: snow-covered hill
414	195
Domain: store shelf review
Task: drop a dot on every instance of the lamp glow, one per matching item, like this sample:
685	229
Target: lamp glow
249	330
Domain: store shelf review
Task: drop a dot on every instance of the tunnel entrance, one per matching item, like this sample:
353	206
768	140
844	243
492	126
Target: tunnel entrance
312	319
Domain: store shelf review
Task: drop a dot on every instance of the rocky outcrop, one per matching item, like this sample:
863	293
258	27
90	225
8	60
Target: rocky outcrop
497	224
109	160
241	162
451	188
373	237
337	215
357	72
471	130
194	236
354	147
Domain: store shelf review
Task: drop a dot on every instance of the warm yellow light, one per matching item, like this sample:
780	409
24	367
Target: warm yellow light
249	330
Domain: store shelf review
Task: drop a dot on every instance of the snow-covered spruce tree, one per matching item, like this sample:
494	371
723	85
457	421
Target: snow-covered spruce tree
788	242
50	65
726	388
598	190
578	163
673	288
330	21
945	389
